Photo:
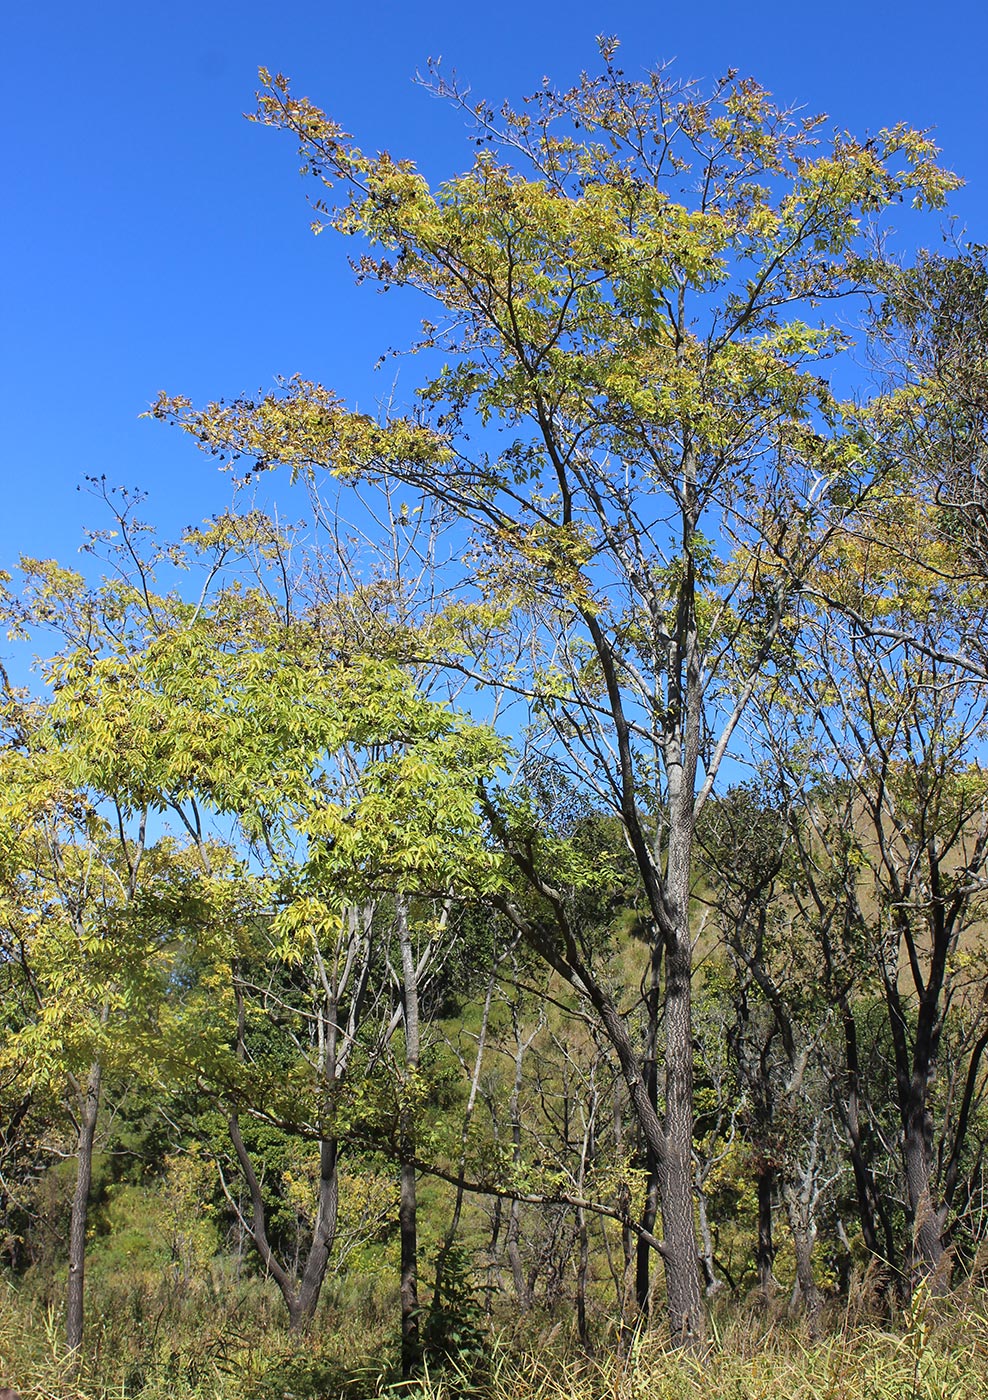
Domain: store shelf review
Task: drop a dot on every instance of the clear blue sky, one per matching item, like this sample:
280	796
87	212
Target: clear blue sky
152	239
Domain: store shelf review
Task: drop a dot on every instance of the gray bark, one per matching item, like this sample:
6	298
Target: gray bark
411	1346
74	1301
799	1209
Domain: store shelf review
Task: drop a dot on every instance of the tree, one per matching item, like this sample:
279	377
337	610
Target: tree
782	1018
313	785
88	904
625	281
904	731
353	794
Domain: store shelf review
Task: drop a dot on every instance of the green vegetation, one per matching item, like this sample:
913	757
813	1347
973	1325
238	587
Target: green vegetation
242	1352
397	997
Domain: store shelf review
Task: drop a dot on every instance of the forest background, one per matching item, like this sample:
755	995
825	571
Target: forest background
268	1006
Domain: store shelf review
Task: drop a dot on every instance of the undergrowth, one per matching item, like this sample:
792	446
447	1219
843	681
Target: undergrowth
234	1348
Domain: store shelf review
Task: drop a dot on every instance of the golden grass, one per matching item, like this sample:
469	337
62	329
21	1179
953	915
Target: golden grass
936	1351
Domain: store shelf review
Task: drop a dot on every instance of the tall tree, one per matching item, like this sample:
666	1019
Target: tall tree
624	279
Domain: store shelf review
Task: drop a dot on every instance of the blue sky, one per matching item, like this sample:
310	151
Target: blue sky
152	239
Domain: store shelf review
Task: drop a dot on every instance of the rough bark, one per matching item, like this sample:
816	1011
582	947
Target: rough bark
680	1252
927	1221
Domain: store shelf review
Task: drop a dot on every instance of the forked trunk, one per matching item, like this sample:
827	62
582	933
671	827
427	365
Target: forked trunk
301	1297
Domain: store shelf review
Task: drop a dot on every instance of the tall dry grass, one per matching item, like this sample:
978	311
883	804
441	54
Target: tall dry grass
211	1349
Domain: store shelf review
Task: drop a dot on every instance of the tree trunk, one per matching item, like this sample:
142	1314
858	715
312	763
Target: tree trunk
323	1236
765	1248
411	1345
671	907
407	1224
927	1226
680	1254
713	1284
301	1296
871	1209
88	1113
582	1275
643	1252
917	1137
522	1292
915	1072
670	1142
803	1233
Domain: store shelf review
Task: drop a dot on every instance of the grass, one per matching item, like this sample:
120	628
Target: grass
233	1347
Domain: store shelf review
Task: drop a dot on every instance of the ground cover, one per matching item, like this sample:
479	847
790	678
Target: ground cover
236	1349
